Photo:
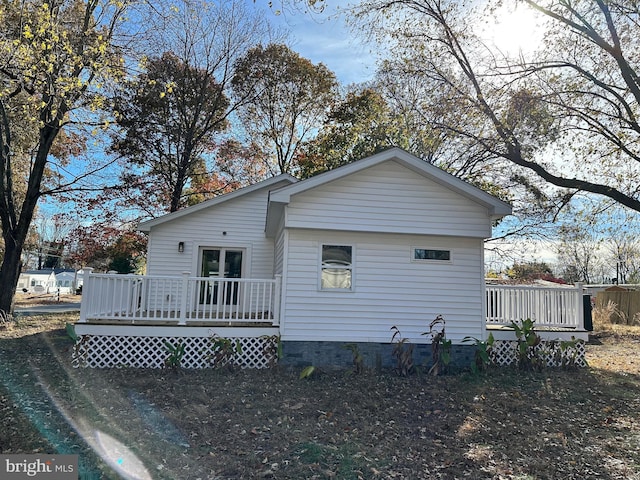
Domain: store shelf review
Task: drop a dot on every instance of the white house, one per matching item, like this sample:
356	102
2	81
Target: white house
47	280
338	258
66	281
37	281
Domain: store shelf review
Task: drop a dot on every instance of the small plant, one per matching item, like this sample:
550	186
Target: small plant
223	350
71	332
79	348
5	319
527	342
307	372
272	349
482	356
440	346
175	355
358	360
402	352
569	352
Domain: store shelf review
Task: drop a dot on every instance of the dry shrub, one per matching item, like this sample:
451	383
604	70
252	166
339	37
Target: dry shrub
5	320
608	314
608	318
605	315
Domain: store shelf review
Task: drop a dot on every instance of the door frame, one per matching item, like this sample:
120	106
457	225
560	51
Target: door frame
233	247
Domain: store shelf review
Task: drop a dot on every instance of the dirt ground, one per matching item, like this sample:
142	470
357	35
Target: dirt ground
31	300
222	424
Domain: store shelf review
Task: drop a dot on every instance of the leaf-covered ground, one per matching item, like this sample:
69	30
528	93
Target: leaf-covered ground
210	424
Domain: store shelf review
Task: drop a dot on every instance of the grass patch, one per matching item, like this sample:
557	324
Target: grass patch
345	461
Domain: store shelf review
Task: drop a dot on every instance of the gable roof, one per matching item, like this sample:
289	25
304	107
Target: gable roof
46	272
282	196
269	182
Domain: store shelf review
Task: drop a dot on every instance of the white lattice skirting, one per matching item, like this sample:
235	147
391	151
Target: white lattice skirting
555	353
114	351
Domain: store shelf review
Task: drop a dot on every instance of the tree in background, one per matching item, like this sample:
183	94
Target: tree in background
287	99
531	271
599	249
576	99
386	114
169	116
580	254
47	244
623	250
362	124
108	248
54	57
245	164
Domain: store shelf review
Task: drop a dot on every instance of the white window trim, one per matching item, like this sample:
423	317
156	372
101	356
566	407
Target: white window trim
353	256
431	260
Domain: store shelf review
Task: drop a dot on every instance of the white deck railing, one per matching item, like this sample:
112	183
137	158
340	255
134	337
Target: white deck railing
195	300
549	307
185	299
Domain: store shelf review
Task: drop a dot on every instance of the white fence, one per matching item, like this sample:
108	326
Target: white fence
149	299
549	307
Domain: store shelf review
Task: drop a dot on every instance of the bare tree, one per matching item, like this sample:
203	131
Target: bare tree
567	114
174	113
581	255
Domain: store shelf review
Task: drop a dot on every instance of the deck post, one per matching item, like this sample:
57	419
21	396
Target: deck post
276	300
84	306
580	323
182	313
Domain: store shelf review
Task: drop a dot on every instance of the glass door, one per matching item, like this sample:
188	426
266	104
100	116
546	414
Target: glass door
221	263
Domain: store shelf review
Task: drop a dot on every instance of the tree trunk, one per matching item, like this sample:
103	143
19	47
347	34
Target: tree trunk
15	232
14	238
9	273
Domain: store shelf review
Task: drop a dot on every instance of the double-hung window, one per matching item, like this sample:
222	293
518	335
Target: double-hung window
336	271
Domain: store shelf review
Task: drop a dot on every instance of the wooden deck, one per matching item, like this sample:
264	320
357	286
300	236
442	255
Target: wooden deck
175	322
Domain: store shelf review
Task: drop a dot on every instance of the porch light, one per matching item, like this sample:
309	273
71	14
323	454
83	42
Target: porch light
180	247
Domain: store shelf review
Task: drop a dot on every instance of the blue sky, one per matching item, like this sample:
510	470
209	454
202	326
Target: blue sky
320	38
326	38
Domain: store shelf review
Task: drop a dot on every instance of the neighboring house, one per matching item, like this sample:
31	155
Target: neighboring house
66	281
47	280
37	281
338	258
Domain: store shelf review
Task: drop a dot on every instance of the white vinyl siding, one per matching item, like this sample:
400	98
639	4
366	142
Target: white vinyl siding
278	263
238	223
391	289
388	198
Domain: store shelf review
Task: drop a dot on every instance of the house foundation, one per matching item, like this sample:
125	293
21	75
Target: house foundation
374	355
201	347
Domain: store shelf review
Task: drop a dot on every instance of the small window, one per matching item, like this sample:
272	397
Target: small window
431	255
337	267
